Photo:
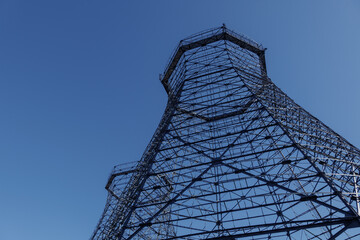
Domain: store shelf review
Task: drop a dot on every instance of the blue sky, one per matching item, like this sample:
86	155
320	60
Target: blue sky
79	90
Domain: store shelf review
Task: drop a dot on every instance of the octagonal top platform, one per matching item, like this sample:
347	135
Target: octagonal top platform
206	37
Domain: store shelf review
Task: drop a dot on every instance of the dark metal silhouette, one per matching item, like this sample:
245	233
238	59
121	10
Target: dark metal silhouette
233	158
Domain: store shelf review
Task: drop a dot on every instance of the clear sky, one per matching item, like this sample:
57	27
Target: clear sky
79	90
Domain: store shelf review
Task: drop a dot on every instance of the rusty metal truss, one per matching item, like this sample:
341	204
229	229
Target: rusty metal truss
233	158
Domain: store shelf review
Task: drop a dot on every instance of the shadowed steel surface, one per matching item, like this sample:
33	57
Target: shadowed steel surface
233	158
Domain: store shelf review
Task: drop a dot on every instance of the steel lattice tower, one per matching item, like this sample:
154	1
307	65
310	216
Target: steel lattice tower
233	158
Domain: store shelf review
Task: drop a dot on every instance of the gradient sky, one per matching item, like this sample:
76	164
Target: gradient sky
79	90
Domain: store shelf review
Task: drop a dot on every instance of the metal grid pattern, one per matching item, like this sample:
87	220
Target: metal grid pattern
233	158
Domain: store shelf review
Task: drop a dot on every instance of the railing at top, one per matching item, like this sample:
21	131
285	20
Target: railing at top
123	169
206	34
124	166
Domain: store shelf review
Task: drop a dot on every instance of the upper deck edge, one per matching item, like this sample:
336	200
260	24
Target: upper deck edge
206	37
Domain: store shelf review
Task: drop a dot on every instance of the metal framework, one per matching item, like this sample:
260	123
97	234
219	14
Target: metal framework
233	158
